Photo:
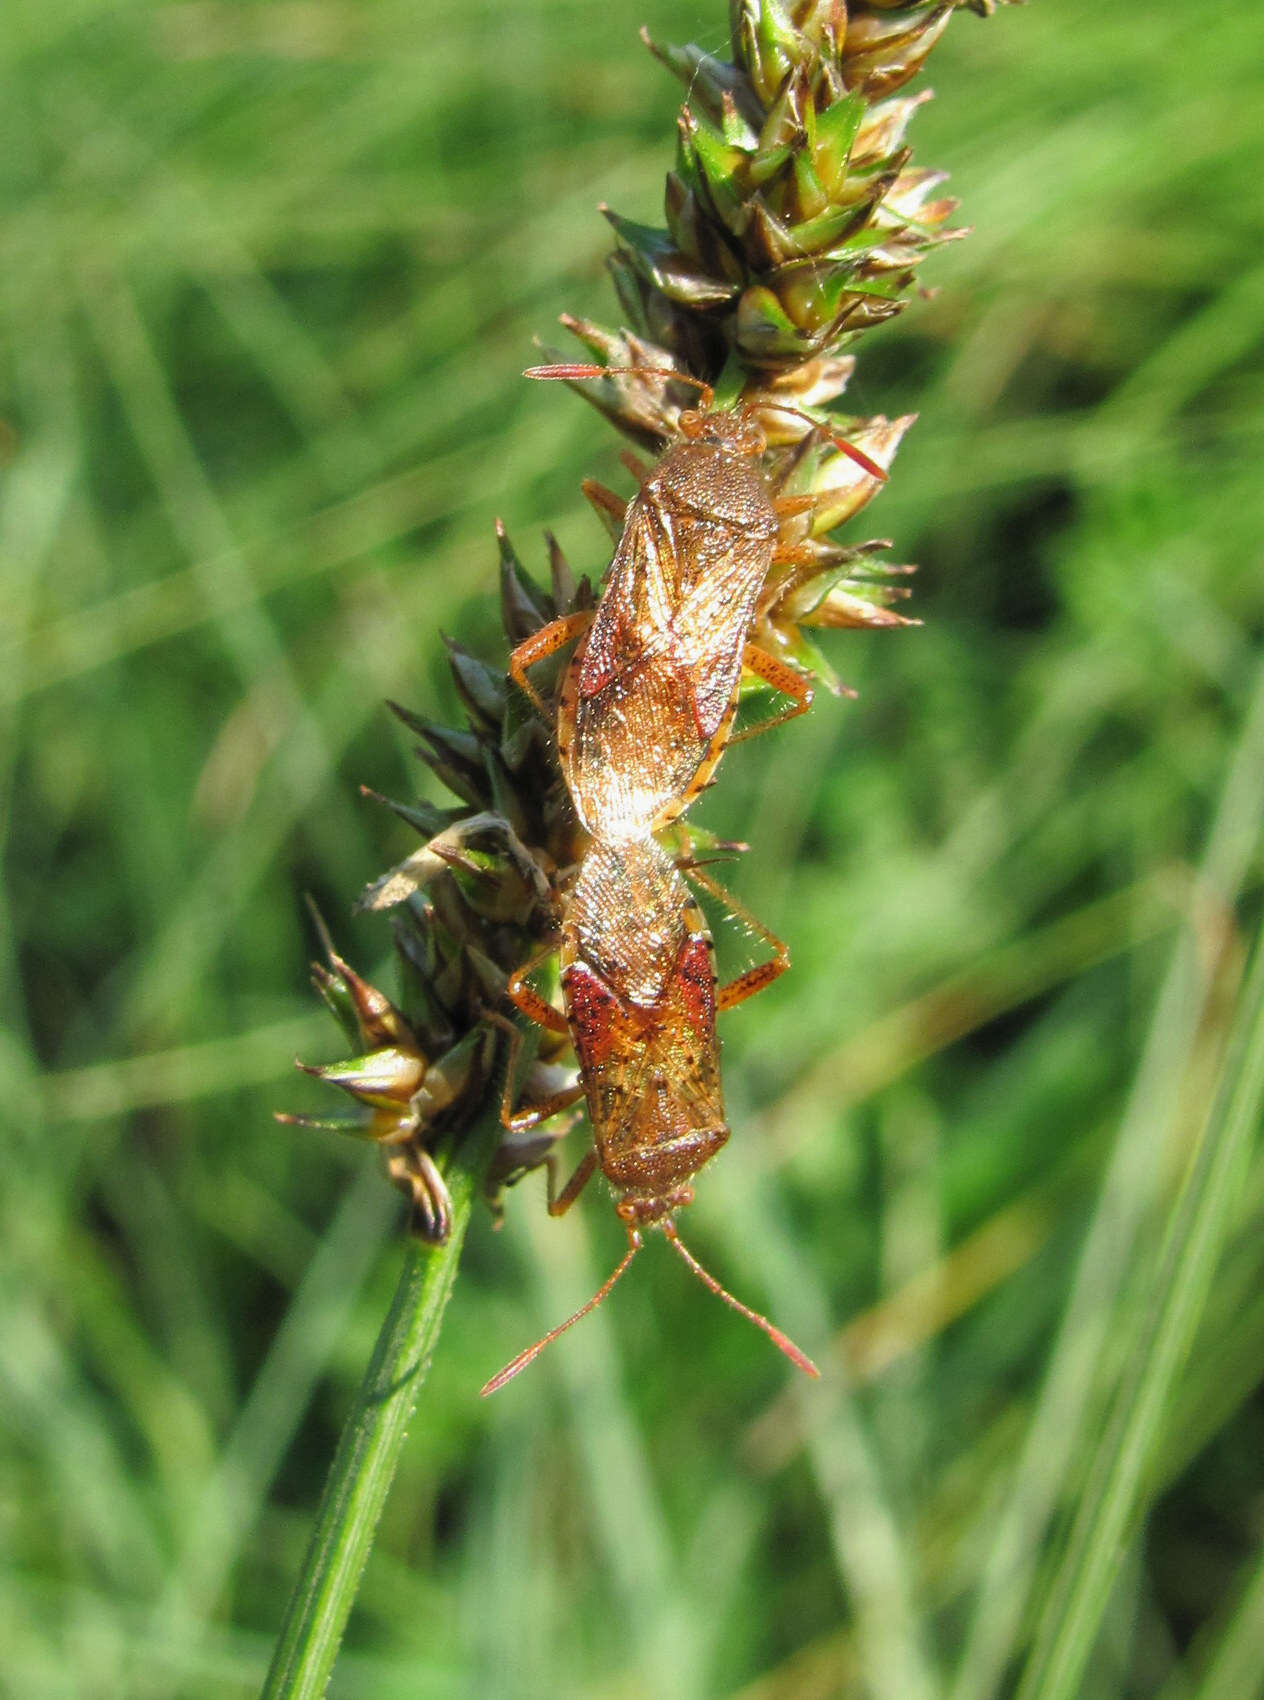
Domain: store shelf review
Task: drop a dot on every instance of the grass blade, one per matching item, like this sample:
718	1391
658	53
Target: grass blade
1127	1196
1113	1493
1236	1671
372	1438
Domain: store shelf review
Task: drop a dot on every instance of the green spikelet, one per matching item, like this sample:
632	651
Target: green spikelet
469	906
794	219
794	222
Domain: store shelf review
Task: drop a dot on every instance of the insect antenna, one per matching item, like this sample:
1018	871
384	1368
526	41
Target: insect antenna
533	1352
865	462
581	371
707	393
780	1340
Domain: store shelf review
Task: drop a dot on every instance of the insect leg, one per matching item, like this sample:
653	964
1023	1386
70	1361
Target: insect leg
635	465
610	509
527	1115
530	1115
752	981
534	1007
547	641
787	507
529	1001
795	554
781	677
539	1110
560	1202
763	973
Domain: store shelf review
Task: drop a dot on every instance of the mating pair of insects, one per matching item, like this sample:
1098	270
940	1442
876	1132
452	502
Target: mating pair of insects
645	709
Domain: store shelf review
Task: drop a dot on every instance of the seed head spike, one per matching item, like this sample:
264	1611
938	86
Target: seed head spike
533	1352
780	1340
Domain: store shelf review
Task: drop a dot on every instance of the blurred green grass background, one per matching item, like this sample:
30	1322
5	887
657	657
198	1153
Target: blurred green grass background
269	275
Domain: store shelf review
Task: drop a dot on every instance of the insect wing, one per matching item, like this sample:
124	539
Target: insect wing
715	615
636	609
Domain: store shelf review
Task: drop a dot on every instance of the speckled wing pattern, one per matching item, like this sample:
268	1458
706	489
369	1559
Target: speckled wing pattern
647	702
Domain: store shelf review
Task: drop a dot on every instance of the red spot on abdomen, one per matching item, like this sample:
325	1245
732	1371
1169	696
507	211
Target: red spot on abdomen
697	984
591	1009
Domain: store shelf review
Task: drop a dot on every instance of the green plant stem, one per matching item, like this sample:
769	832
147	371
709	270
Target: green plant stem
1113	1495
372	1439
1236	1671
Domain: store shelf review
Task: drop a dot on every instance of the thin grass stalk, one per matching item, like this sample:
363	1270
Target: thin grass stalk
235	1489
870	1543
1113	1496
372	1439
1236	1669
1126	1196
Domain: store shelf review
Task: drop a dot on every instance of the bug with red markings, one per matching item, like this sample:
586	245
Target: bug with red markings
645	709
640	1002
648	700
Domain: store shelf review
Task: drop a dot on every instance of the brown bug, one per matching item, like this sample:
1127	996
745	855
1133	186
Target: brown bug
640	994
648	700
